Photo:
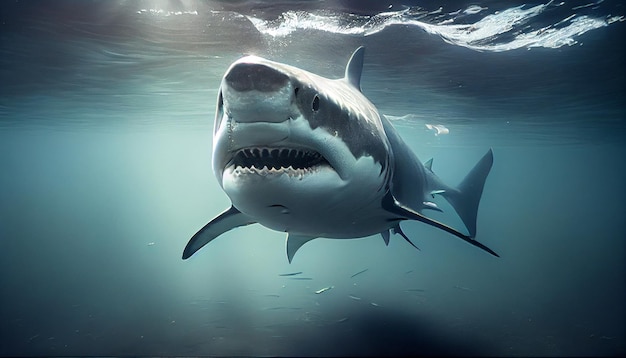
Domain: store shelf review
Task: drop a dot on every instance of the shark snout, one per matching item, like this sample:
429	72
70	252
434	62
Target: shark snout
257	92
244	77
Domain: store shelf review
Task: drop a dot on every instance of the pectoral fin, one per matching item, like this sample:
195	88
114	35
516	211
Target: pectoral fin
226	221
393	206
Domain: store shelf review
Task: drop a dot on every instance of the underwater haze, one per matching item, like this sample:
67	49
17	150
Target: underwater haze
106	120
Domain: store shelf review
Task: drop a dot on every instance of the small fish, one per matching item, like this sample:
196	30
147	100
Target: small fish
415	290
438	129
151	243
272	295
290	274
462	288
341	320
322	290
281	308
355	298
358	273
300	278
374	304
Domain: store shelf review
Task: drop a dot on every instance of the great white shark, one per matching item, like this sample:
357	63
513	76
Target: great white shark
313	157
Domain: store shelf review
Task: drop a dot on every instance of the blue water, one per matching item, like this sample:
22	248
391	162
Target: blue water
106	115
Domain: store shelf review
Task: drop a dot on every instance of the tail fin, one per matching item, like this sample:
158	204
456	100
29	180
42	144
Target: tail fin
467	196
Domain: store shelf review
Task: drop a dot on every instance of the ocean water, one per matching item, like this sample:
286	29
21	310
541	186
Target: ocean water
106	115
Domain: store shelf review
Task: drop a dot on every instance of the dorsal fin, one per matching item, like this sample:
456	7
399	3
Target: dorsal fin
429	164
354	68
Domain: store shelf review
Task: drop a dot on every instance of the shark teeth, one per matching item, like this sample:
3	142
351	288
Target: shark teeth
267	160
265	171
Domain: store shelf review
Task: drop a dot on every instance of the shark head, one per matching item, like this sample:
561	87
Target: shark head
293	149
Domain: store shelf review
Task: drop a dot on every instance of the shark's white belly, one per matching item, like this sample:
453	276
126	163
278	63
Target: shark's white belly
295	219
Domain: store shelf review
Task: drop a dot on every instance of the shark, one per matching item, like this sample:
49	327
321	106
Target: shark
313	157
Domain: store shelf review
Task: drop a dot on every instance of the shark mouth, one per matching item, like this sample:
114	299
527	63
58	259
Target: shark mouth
264	160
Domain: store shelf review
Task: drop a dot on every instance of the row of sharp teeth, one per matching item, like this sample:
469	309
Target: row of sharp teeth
299	172
277	152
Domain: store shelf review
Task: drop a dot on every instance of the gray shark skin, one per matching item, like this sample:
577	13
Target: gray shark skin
313	157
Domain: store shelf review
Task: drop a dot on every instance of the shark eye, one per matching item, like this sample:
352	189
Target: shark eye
316	103
296	90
